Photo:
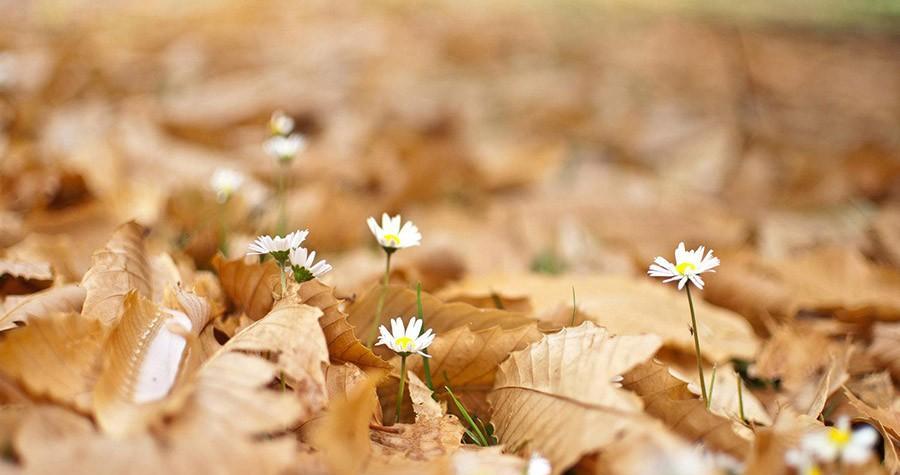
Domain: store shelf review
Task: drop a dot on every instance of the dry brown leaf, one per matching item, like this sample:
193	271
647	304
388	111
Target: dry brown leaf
439	316
343	344
625	306
55	356
885	346
144	357
429	438
668	398
18	276
467	360
291	337
767	455
341	380
117	268
343	433
248	286
886	234
557	396
17	310
424	406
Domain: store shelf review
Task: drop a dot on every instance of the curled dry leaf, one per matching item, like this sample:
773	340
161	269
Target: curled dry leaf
64	299
117	268
668	398
22	277
290	336
248	286
343	433
145	355
55	356
557	396
343	379
625	306
427	439
467	360
343	344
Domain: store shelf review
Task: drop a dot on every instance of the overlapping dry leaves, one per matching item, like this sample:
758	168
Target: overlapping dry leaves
543	152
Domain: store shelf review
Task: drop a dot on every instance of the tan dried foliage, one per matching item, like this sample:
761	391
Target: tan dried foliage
557	395
668	398
343	433
63	299
249	287
343	344
623	305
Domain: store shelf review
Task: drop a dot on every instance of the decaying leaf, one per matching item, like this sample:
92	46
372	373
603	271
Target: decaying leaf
17	310
557	396
248	286
55	356
625	306
343	433
20	277
343	344
667	398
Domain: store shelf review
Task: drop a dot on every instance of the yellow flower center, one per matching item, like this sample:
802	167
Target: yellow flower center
684	267
392	239
403	342
813	471
838	437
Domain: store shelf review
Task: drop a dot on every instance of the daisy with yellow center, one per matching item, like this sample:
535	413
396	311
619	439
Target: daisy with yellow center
687	268
841	443
391	236
404	342
304	266
280	249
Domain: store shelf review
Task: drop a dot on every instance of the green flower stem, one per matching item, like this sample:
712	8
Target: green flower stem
282	201
223	228
283	280
426	364
479	438
402	386
380	306
712	386
740	392
696	343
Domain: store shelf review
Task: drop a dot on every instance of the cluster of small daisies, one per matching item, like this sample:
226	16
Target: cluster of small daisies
290	256
284	144
839	445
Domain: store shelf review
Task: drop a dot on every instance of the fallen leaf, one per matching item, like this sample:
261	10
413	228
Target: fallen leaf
64	299
248	286
343	344
557	395
625	306
20	277
886	346
55	356
343	433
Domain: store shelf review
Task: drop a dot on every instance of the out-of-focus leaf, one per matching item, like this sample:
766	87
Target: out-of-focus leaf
248	286
17	310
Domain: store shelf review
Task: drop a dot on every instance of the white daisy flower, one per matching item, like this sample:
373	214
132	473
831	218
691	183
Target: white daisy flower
802	461
283	148
538	465
391	236
841	442
225	182
278	247
304	267
688	266
408	340
281	123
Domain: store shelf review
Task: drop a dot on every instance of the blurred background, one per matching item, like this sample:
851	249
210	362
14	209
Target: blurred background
568	136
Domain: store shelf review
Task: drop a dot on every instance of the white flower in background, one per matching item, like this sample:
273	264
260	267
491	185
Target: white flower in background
281	123
841	442
802	461
304	267
284	149
225	182
688	266
278	247
538	465
391	236
408	340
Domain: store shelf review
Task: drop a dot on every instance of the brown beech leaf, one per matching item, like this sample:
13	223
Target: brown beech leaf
886	346
467	360
343	344
625	306
557	395
439	316
343	379
56	356
424	406
143	358
290	336
17	310
428	438
343	433
668	398
248	286
835	280
23	277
